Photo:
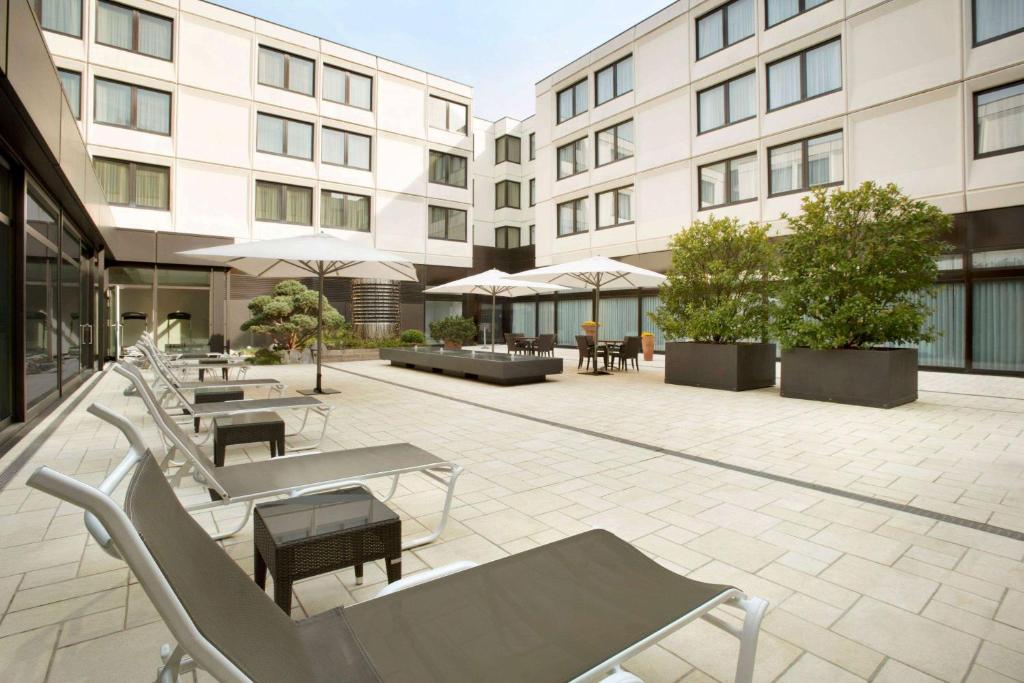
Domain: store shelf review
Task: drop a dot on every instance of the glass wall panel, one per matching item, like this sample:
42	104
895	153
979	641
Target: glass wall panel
546	317
618	318
71	305
524	318
40	302
998	340
648	305
436	310
572	314
485	319
6	295
949	320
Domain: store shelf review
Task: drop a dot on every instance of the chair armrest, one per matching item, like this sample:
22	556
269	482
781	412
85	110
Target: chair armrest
425	576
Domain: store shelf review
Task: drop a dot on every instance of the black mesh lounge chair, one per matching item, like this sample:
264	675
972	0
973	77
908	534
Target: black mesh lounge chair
572	610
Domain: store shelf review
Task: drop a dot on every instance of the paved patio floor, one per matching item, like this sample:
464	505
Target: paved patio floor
750	489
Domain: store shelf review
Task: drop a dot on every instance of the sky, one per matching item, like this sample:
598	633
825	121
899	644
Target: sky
500	48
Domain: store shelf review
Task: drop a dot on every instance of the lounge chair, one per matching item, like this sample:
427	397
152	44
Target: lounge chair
166	375
572	610
183	364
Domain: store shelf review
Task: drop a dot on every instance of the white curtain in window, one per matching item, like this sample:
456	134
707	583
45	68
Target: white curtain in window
565	104
298	205
605	85
524	320
648	305
784	83
624	198
581	214
994	18
580	98
72	83
565	218
743	179
269	134
300	75
334	84
709	34
546	317
624	132
998	312
712	185
268	202
624	76
153	111
357	213
457	171
151	187
824	69
457	225
332	209
786	168
825	159
618	317
948	318
712	108
62	15
271	68
113	103
332	146
300	139
1000	118
436	227
605	209
114	25
566	166
360	91
572	314
154	36
113	177
606	146
742	98
779	10
438	114
741	20
358	151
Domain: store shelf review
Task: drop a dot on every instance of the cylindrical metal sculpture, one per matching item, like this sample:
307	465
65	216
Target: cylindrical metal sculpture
376	310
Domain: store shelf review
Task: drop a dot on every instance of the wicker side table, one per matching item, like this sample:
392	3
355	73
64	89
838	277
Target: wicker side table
305	536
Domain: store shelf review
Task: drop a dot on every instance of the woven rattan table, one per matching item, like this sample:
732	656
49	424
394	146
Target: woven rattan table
305	536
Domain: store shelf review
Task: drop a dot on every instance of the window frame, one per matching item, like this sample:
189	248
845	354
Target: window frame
615	147
977	127
725	30
369	210
558	106
532	232
447	115
132	166
323	158
506	230
502	143
134	110
37	8
615	198
532	191
974	29
447	222
136	12
347	87
804	166
802	55
576	230
615	80
725	84
519	194
576	155
284	203
532	151
728	181
312	137
80	93
447	154
802	9
287	70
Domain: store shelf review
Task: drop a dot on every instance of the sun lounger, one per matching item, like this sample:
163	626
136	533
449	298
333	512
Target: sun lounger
165	374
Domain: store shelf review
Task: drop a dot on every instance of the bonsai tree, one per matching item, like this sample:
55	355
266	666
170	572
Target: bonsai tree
453	330
855	268
719	284
288	316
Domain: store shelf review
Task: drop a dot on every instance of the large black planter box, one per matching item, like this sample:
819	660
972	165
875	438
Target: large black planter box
499	368
736	367
879	378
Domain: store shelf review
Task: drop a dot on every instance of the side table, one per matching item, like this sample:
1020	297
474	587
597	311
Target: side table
253	427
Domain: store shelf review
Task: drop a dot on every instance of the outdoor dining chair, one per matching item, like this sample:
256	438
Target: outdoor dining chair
545	345
585	345
628	351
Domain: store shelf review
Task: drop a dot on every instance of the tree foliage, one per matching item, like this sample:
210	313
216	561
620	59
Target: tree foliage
454	328
719	284
855	269
289	314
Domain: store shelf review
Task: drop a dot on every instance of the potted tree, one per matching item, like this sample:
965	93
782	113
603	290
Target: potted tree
454	331
718	294
288	317
854	271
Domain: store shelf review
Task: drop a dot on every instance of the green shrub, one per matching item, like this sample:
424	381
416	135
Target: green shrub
265	357
412	337
454	329
855	267
289	316
719	284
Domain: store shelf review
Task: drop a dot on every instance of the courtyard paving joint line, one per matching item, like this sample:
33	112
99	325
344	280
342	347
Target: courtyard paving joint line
830	490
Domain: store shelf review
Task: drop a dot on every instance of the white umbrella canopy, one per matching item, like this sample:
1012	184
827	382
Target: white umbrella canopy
320	254
494	283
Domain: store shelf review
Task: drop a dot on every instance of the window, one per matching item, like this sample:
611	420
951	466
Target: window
282	203
347	87
533	147
345	211
615	207
507	148
448	115
614	80
132	106
533	191
127	183
728	182
447	169
572	101
60	16
999	120
777	11
572	158
133	29
615	143
572	217
799	77
995	19
506	237
726	103
724	26
506	194
72	83
799	166
533	234
447	224
343	148
286	71
277	135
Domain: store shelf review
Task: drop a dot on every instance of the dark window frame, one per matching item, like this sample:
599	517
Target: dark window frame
506	230
135	107
447	115
132	166
532	232
804	166
37	8
725	85
502	144
136	12
532	146
284	202
727	192
597	208
615	81
532	191
447	222
323	158
80	92
575	228
284	131
802	55
558	105
615	147
519	194
974	29
576	156
802	9
977	127
289	56
369	210
724	9
447	156
347	87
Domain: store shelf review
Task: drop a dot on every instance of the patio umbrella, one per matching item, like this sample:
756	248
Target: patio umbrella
322	255
494	283
595	272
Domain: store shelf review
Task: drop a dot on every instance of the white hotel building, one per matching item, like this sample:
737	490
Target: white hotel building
206	125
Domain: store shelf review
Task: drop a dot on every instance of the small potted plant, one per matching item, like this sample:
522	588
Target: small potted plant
647	345
718	295
590	329
454	331
853	274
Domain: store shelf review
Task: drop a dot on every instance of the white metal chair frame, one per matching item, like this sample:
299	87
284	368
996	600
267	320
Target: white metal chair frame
165	374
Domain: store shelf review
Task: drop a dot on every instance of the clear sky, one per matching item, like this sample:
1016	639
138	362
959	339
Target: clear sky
500	48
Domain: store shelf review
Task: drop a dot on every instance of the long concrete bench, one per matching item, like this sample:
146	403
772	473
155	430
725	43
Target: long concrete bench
499	368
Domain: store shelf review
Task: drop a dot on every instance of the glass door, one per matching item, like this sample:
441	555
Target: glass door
73	317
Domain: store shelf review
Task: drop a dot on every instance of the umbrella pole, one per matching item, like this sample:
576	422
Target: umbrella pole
597	320
494	297
320	330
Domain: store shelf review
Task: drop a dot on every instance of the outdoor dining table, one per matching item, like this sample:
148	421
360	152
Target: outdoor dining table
530	343
613	346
